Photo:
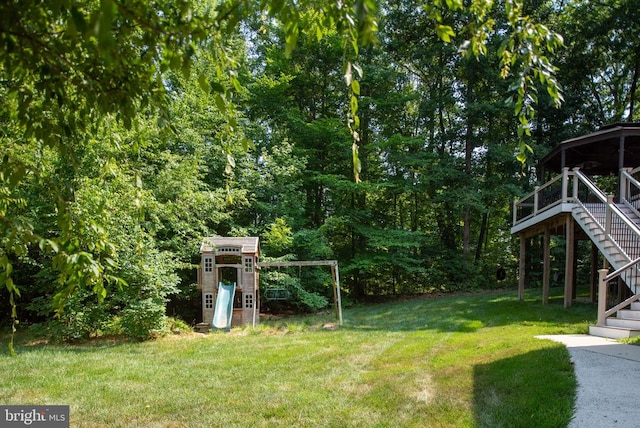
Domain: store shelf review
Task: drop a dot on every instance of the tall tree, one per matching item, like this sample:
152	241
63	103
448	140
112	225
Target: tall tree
601	63
75	70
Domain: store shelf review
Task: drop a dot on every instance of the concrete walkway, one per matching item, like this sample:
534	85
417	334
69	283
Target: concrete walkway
608	375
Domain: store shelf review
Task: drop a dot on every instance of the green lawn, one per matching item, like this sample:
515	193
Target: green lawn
454	361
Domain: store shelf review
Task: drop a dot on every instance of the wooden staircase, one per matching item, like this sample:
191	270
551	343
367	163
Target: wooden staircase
624	325
619	250
613	228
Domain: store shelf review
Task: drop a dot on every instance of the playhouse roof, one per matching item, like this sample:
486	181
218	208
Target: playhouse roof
598	153
248	244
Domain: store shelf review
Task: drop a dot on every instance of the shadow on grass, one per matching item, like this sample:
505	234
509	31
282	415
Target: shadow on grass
467	313
535	389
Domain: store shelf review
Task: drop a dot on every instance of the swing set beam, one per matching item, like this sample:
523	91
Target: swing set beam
335	277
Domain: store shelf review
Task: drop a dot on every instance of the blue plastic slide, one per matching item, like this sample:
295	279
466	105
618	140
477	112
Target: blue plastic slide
224	306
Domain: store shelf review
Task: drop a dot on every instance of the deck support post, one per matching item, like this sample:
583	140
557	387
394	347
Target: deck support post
569	255
546	266
522	266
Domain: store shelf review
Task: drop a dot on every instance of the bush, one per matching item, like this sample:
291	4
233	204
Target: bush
177	326
308	300
83	317
143	319
144	300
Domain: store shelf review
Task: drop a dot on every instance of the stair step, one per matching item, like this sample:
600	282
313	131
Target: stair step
629	313
635	306
613	332
623	322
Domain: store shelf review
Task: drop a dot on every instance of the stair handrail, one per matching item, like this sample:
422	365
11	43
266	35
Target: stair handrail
603	280
604	275
612	211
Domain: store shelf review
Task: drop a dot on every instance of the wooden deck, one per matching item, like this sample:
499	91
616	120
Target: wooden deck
611	223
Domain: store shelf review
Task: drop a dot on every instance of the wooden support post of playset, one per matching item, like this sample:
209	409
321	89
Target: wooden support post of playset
335	277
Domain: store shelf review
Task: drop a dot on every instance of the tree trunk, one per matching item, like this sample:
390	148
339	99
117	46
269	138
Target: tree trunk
483	232
634	88
468	152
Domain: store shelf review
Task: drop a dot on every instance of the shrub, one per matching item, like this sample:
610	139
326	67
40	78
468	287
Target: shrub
143	319
83	317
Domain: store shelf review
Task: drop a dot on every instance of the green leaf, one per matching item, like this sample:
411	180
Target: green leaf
105	22
353	104
445	32
204	83
236	84
220	102
275	6
217	87
357	165
355	87
248	144
291	38
454	4
78	20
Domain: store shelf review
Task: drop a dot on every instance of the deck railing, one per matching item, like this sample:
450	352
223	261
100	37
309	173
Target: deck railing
619	230
544	197
574	187
630	189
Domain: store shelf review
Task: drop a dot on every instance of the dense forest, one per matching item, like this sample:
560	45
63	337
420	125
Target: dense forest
115	165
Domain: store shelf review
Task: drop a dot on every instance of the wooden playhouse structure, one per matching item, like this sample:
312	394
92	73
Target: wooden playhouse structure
228	278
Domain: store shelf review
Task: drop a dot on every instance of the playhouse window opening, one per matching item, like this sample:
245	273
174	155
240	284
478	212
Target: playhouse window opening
208	301
248	301
208	264
248	264
228	250
228	275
